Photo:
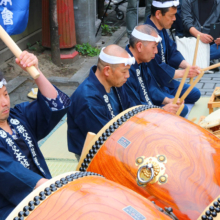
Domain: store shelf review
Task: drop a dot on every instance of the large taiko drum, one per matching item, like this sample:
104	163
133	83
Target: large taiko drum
83	196
161	156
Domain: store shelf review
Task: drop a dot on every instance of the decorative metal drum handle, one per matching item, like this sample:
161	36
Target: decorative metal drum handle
149	167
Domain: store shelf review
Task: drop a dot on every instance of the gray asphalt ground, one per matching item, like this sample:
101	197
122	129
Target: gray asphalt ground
20	86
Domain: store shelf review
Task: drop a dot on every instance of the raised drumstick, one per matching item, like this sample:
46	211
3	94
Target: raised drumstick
192	86
16	51
181	85
195	55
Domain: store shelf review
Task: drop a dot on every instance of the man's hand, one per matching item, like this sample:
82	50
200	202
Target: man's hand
40	182
206	38
26	60
193	71
168	100
217	42
172	108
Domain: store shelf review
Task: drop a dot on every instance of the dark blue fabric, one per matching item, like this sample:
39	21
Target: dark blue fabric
17	13
134	89
58	103
163	40
115	103
178	23
16	181
89	111
24	149
164	72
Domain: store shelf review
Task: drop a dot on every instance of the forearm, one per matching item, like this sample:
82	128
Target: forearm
184	64
178	74
194	32
166	101
40	182
46	88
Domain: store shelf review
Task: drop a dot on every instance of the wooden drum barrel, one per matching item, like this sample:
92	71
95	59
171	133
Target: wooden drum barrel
161	156
83	196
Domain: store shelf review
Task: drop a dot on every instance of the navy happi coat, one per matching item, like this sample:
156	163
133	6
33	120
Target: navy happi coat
91	110
32	121
141	86
164	65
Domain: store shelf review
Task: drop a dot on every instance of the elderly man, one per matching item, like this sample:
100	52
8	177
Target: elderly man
100	97
22	165
141	86
166	63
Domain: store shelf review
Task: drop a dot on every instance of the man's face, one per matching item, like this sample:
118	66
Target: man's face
118	75
148	50
4	104
167	20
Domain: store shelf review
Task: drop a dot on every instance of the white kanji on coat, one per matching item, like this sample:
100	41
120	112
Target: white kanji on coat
3	134
21	129
7	17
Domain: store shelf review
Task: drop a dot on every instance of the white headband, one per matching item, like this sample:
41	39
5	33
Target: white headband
3	83
116	60
165	4
146	37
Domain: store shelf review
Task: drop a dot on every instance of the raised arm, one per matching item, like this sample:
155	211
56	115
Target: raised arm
46	88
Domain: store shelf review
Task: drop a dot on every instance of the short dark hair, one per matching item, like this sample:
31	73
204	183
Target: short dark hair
154	9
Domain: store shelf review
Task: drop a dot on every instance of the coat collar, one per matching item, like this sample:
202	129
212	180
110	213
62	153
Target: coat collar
152	23
94	80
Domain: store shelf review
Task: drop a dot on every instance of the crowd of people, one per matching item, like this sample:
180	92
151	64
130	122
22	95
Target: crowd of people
143	73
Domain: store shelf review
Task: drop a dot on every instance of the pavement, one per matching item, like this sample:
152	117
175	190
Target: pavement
20	86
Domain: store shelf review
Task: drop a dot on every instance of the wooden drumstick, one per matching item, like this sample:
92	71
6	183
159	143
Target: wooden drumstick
195	55
181	85
180	109
191	86
210	67
16	51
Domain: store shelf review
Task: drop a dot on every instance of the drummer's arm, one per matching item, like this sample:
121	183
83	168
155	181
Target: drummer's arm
47	89
40	182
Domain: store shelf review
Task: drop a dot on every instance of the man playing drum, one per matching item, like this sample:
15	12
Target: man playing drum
168	59
22	165
100	97
142	86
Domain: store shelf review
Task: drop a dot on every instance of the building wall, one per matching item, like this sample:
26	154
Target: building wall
32	33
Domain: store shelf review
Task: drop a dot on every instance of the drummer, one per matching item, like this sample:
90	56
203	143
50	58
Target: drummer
22	165
100	97
165	66
142	86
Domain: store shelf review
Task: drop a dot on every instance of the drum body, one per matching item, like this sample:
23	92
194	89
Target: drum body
87	196
185	158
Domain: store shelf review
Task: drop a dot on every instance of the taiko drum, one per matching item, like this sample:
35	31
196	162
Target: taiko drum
161	156
86	196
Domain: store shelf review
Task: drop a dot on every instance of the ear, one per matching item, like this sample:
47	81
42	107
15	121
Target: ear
106	70
158	14
139	46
